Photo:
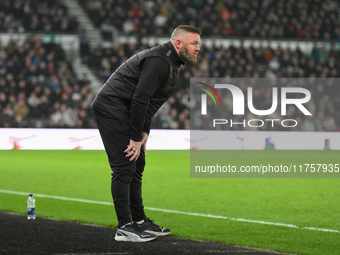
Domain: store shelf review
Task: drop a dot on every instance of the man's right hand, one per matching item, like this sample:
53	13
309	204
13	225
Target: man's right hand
133	150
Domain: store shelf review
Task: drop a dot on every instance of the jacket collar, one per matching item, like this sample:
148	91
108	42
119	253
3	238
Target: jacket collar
177	59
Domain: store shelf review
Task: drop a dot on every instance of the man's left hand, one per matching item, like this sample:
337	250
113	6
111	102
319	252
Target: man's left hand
145	137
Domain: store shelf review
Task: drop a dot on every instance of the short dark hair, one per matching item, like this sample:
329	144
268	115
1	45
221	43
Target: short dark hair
184	28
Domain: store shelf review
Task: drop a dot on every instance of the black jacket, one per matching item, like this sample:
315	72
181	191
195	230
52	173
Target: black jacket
138	88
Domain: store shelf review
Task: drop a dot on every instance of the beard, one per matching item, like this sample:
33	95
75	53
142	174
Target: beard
186	57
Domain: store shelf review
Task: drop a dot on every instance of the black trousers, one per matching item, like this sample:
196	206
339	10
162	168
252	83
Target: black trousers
126	181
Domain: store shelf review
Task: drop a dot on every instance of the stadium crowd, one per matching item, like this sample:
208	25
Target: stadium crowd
39	89
299	19
36	16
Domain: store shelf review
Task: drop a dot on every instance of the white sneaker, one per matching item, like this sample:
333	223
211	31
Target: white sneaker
133	233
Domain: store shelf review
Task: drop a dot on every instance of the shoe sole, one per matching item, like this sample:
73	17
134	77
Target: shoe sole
126	236
157	233
135	240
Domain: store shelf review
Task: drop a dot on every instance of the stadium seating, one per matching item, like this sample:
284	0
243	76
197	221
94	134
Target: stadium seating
313	19
36	16
39	89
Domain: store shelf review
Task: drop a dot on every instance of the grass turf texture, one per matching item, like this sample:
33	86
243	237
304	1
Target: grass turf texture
167	185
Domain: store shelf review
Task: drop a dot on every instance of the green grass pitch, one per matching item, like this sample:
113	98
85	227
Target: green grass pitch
305	202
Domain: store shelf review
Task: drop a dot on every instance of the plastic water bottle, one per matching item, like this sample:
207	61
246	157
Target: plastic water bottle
31	207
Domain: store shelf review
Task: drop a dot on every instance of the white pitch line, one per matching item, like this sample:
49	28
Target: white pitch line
175	212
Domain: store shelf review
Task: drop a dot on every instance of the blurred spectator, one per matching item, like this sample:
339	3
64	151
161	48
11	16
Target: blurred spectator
21	109
84	49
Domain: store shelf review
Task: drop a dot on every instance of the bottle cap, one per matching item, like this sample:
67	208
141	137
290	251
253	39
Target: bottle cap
31	195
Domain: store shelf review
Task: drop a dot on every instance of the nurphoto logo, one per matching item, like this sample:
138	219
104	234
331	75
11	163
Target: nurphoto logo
295	96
